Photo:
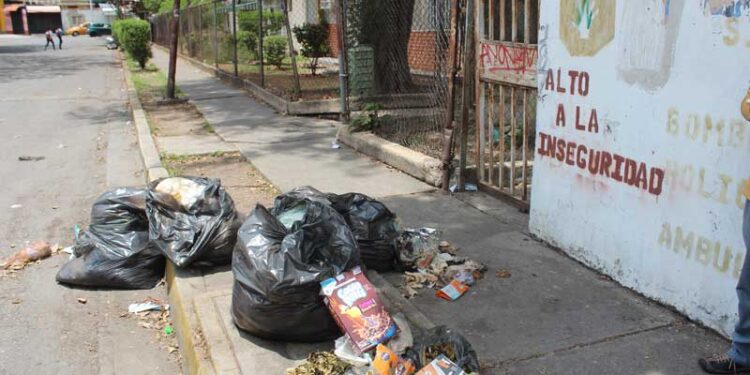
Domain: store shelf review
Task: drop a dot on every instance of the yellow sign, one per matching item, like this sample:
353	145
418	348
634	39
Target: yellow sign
586	26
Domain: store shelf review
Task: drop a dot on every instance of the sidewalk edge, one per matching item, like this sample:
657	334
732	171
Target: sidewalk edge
413	163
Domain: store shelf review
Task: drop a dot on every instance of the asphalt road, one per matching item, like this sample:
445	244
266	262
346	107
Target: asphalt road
68	106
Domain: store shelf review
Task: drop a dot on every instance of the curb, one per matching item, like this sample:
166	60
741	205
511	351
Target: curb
149	152
413	163
182	314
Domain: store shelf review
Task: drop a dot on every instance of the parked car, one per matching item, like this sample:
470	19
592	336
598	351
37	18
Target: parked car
78	30
96	29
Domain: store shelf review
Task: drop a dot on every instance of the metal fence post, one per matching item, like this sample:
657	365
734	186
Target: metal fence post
214	38
343	68
292	52
260	44
234	36
469	69
450	120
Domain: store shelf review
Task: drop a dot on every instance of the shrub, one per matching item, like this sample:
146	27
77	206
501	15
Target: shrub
274	49
135	37
314	41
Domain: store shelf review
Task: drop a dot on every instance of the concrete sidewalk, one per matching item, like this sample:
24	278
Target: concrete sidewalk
552	316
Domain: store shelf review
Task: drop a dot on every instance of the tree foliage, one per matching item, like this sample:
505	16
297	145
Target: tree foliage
314	41
274	49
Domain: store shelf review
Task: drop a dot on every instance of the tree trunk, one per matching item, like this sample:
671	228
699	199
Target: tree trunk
394	21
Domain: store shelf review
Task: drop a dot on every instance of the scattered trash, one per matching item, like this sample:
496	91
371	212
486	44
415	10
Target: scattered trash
320	363
374	226
387	362
82	300
464	277
115	251
278	269
335	145
503	274
168	330
467	187
414	281
441	340
354	302
14	206
15	301
135	308
30	158
192	220
434	264
418	244
346	352
404	338
61	146
33	252
453	291
441	366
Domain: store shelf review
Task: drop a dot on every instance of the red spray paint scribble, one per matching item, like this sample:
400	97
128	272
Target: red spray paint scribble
508	58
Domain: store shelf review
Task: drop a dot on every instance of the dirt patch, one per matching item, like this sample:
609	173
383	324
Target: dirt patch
243	182
176	119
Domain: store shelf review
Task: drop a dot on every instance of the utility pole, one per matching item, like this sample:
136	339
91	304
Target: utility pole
173	50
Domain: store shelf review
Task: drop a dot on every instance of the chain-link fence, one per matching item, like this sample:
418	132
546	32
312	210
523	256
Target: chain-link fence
397	54
398	59
288	47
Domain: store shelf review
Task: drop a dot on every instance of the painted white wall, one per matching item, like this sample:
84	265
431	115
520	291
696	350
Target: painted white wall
95	16
636	81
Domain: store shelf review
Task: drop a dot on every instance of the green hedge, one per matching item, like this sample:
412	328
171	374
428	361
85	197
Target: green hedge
134	35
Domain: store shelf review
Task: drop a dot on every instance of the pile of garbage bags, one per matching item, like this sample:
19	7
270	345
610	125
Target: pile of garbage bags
297	266
189	220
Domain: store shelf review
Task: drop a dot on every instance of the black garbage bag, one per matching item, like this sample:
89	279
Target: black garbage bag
192	220
278	268
443	340
374	226
114	251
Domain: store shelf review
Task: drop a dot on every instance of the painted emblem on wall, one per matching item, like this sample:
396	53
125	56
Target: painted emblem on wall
647	61
586	26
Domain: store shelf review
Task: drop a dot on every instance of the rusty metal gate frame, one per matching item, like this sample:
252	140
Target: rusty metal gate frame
506	62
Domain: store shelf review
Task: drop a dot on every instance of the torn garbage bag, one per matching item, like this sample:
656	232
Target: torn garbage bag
442	340
192	220
374	226
114	251
278	270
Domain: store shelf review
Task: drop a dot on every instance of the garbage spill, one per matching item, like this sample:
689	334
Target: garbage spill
298	270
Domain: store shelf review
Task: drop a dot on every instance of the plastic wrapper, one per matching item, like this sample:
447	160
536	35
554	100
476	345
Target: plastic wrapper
419	247
192	220
278	269
374	226
441	340
387	362
441	366
354	303
114	251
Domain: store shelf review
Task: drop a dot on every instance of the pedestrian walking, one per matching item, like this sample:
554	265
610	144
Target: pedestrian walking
51	41
59	33
737	360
